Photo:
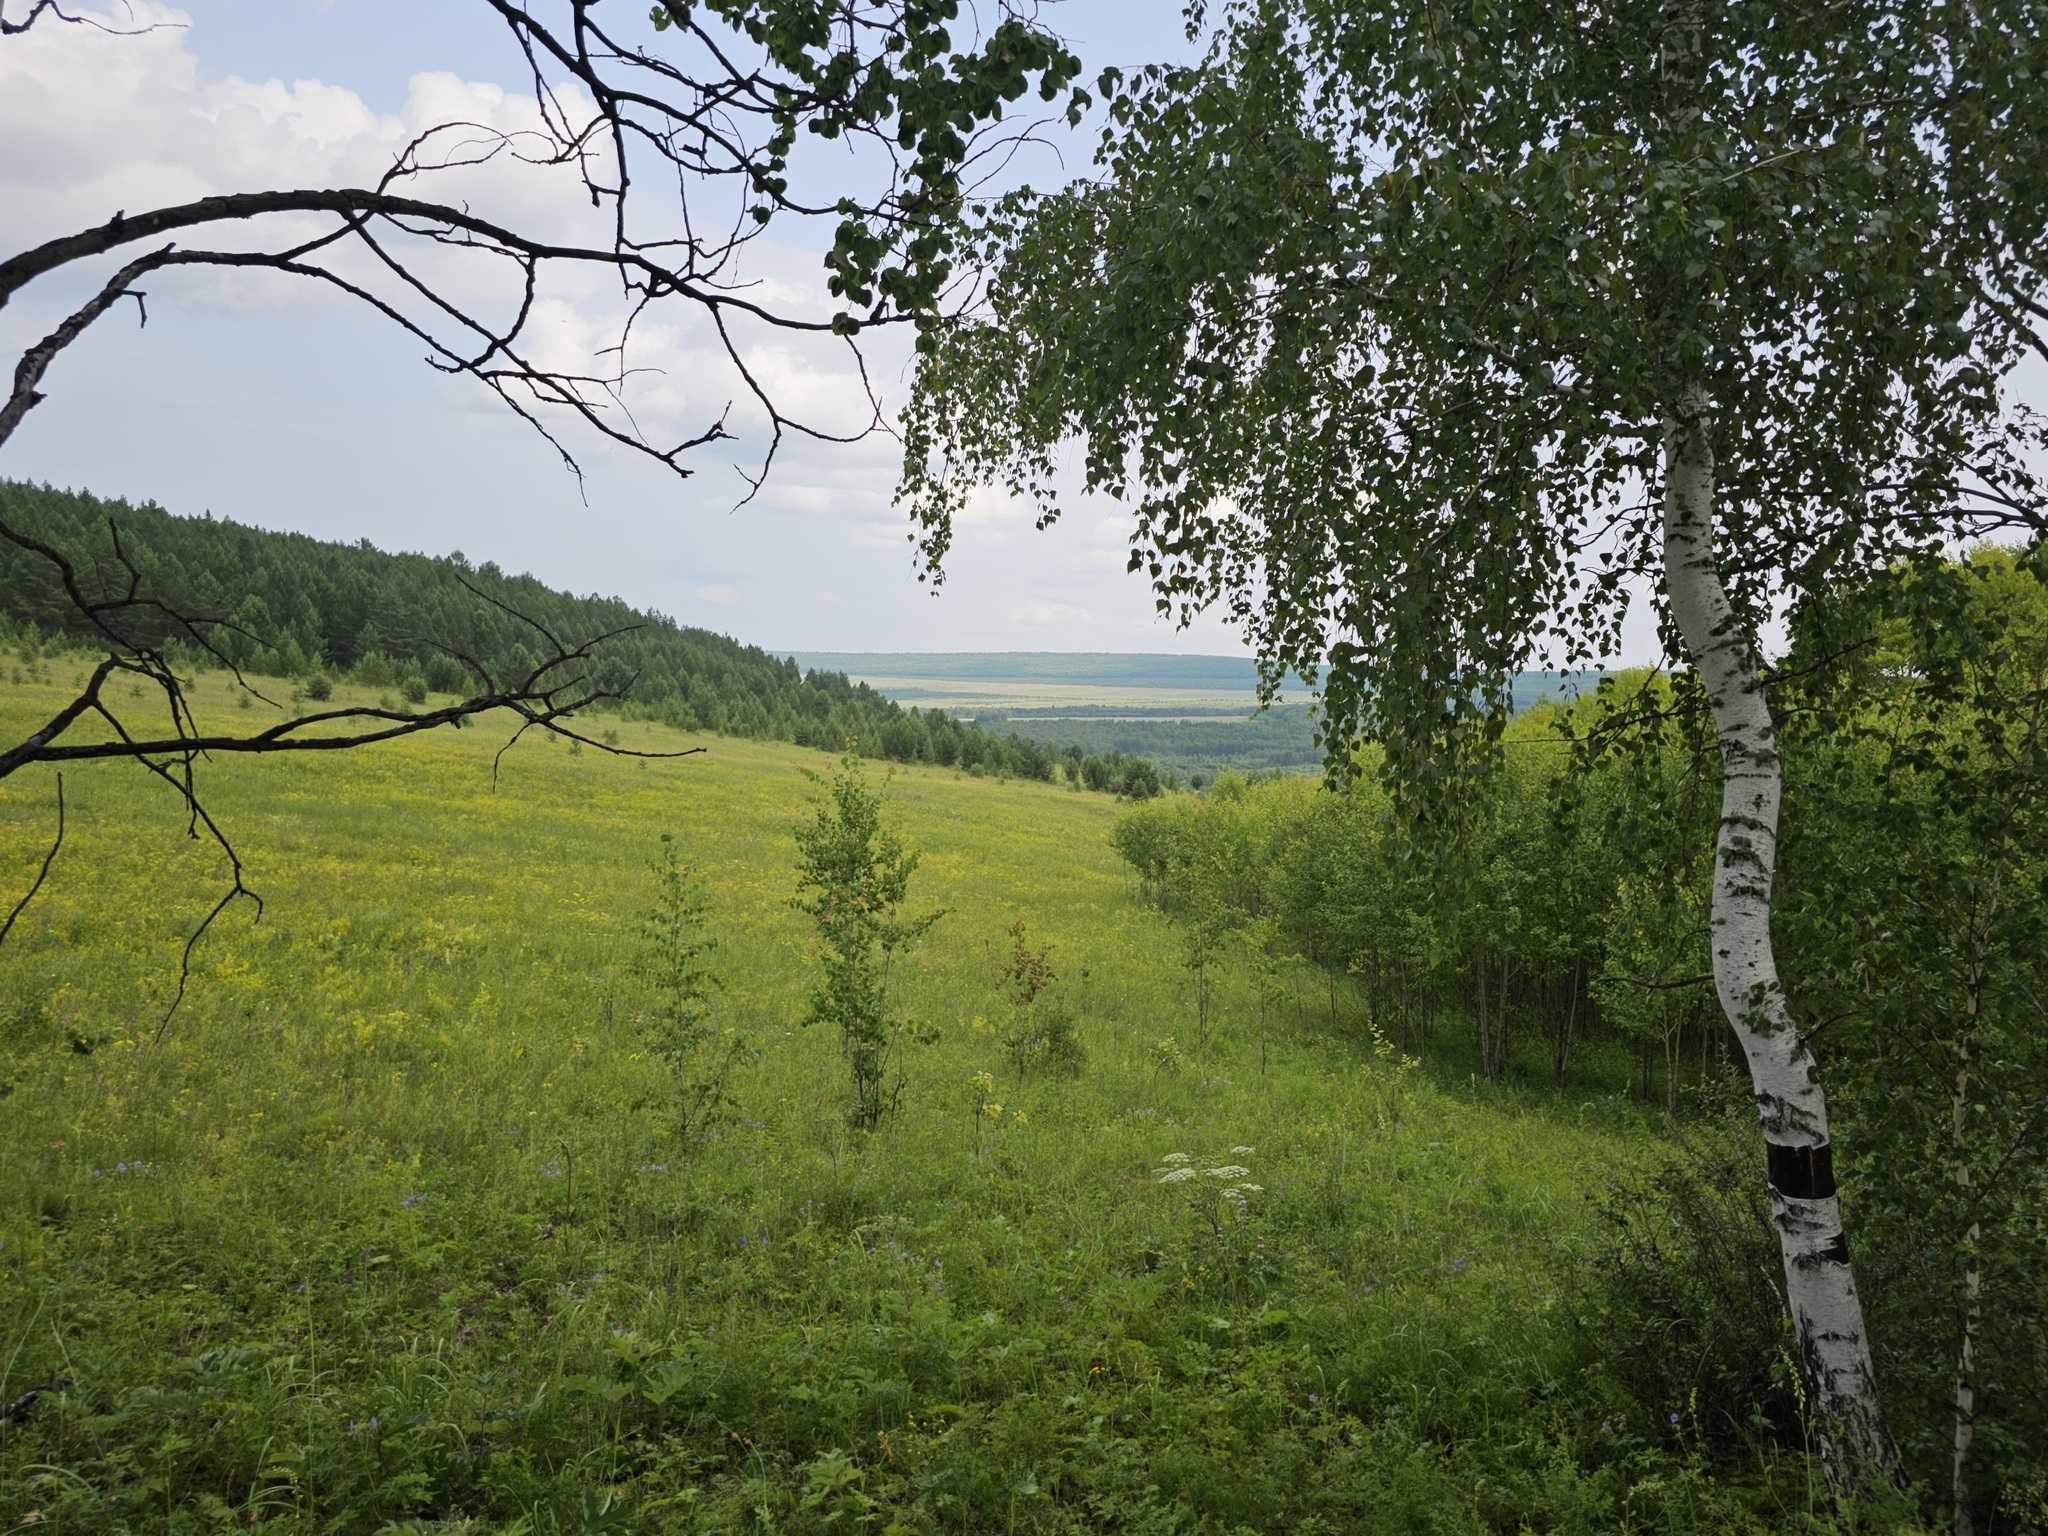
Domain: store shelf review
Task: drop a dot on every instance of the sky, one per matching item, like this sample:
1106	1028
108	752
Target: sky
264	399
272	404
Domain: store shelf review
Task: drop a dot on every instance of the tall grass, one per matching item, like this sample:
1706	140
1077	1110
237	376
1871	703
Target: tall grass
390	1226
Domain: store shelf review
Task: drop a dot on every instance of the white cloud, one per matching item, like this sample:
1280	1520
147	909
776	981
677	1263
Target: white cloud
1048	615
253	376
993	516
93	124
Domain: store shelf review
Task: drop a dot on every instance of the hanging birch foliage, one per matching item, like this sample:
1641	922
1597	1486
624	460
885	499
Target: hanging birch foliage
1411	334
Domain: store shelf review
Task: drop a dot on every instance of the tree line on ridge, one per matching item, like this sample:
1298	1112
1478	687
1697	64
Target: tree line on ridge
304	608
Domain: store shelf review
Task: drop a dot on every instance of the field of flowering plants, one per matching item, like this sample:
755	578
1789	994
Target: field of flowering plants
390	1226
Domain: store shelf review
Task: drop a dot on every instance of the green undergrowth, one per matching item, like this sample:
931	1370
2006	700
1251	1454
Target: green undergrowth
389	1228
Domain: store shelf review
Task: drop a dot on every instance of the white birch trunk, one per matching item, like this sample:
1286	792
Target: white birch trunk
1973	1304
1827	1317
1973	1277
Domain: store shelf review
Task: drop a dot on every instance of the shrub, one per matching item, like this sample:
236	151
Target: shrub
1682	1296
1048	1039
319	687
1043	1035
374	671
1141	780
446	675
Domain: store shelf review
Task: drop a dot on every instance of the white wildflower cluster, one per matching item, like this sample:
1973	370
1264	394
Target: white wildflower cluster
1224	1178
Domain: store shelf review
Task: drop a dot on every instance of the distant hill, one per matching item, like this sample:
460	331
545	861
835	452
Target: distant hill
356	611
384	619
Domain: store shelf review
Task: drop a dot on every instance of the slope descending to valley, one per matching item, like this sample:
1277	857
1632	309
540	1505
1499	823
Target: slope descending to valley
391	1229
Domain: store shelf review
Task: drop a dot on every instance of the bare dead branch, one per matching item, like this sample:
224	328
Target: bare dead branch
359	205
51	8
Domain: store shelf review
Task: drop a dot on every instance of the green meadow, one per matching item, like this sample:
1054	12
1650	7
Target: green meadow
389	1227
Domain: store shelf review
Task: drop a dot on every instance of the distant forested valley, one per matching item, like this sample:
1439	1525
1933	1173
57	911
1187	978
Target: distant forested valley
1192	747
1197	747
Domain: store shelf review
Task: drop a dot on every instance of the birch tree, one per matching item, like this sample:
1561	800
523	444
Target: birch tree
1915	742
1413	334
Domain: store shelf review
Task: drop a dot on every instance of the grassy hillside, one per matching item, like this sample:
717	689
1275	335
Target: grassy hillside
285	605
388	1230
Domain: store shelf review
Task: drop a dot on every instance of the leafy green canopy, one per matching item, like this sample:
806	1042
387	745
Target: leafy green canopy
851	67
1374	316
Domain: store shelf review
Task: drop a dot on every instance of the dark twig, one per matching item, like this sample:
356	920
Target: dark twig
41	8
43	873
1658	986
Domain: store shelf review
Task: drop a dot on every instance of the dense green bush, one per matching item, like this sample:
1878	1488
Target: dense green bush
1681	1293
1916	907
1564	901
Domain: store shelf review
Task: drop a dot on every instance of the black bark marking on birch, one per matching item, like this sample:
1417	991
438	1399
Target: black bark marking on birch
1784	1122
1802	1173
1836	1252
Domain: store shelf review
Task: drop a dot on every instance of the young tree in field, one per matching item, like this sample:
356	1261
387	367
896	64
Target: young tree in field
853	873
1262	940
1042	1032
1202	913
675	962
1411	333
